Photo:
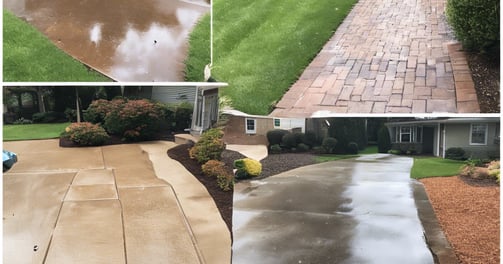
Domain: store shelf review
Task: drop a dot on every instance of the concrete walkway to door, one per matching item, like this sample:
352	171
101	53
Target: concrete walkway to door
362	210
388	56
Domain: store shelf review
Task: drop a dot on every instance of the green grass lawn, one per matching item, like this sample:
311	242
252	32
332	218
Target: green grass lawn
261	47
434	167
33	131
30	56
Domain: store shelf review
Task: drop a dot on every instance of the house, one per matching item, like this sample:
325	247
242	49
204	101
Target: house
478	136
243	128
202	95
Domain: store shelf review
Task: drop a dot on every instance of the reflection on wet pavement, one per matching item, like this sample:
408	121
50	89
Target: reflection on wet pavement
127	40
349	211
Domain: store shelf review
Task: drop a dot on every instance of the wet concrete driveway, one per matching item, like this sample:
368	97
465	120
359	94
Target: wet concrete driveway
349	211
127	40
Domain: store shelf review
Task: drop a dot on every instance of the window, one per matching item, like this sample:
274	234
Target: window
277	122
478	134
407	134
250	126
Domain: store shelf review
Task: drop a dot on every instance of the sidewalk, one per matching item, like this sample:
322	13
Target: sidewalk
115	204
388	56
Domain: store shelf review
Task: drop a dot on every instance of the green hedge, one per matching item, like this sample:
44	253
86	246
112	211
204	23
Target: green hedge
475	23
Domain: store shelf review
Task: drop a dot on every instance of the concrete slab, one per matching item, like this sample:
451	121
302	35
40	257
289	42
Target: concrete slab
131	165
209	229
46	155
154	229
256	152
88	232
97	176
368	215
31	204
91	192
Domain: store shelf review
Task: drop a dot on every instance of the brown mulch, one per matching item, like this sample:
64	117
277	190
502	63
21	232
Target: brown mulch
486	77
469	213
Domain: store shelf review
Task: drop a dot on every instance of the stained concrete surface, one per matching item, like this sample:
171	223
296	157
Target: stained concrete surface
127	40
115	211
349	211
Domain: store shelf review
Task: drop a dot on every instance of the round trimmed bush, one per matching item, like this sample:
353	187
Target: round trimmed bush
329	144
352	148
289	141
301	147
455	154
275	136
86	134
475	23
310	139
275	149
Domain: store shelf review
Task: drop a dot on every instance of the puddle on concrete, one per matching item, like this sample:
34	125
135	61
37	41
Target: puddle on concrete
127	40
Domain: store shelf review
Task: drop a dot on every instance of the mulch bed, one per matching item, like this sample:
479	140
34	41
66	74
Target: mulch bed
486	77
468	211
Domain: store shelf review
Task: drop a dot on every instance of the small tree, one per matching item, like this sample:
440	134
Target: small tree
383	140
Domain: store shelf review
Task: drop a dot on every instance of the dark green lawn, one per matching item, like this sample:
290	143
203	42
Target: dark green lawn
261	47
29	56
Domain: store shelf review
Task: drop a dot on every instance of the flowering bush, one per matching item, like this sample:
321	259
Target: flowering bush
98	109
209	147
247	168
86	134
134	120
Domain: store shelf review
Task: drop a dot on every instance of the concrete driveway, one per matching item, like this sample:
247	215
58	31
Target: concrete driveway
114	204
350	211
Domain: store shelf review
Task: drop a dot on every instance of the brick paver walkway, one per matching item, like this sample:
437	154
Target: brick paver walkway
388	56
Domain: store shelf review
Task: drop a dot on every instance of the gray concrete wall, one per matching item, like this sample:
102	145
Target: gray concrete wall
458	135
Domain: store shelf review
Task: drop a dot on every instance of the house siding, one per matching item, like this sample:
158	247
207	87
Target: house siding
458	135
174	94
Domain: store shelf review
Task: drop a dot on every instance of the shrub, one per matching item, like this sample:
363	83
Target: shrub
329	144
301	147
494	170
319	150
213	168
310	139
47	117
475	23
181	115
209	147
86	134
275	149
98	109
275	136
22	121
299	137
134	120
455	154
247	168
383	140
352	148
395	151
225	181
71	114
289	141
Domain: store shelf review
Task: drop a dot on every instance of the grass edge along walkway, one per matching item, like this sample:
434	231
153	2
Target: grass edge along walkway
32	131
29	56
262	47
425	167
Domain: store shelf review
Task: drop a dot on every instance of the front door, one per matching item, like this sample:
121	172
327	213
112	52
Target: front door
428	133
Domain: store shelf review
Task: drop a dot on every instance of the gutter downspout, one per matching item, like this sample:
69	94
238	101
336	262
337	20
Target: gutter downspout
443	149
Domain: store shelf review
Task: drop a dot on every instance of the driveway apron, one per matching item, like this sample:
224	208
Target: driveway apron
349	211
388	56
